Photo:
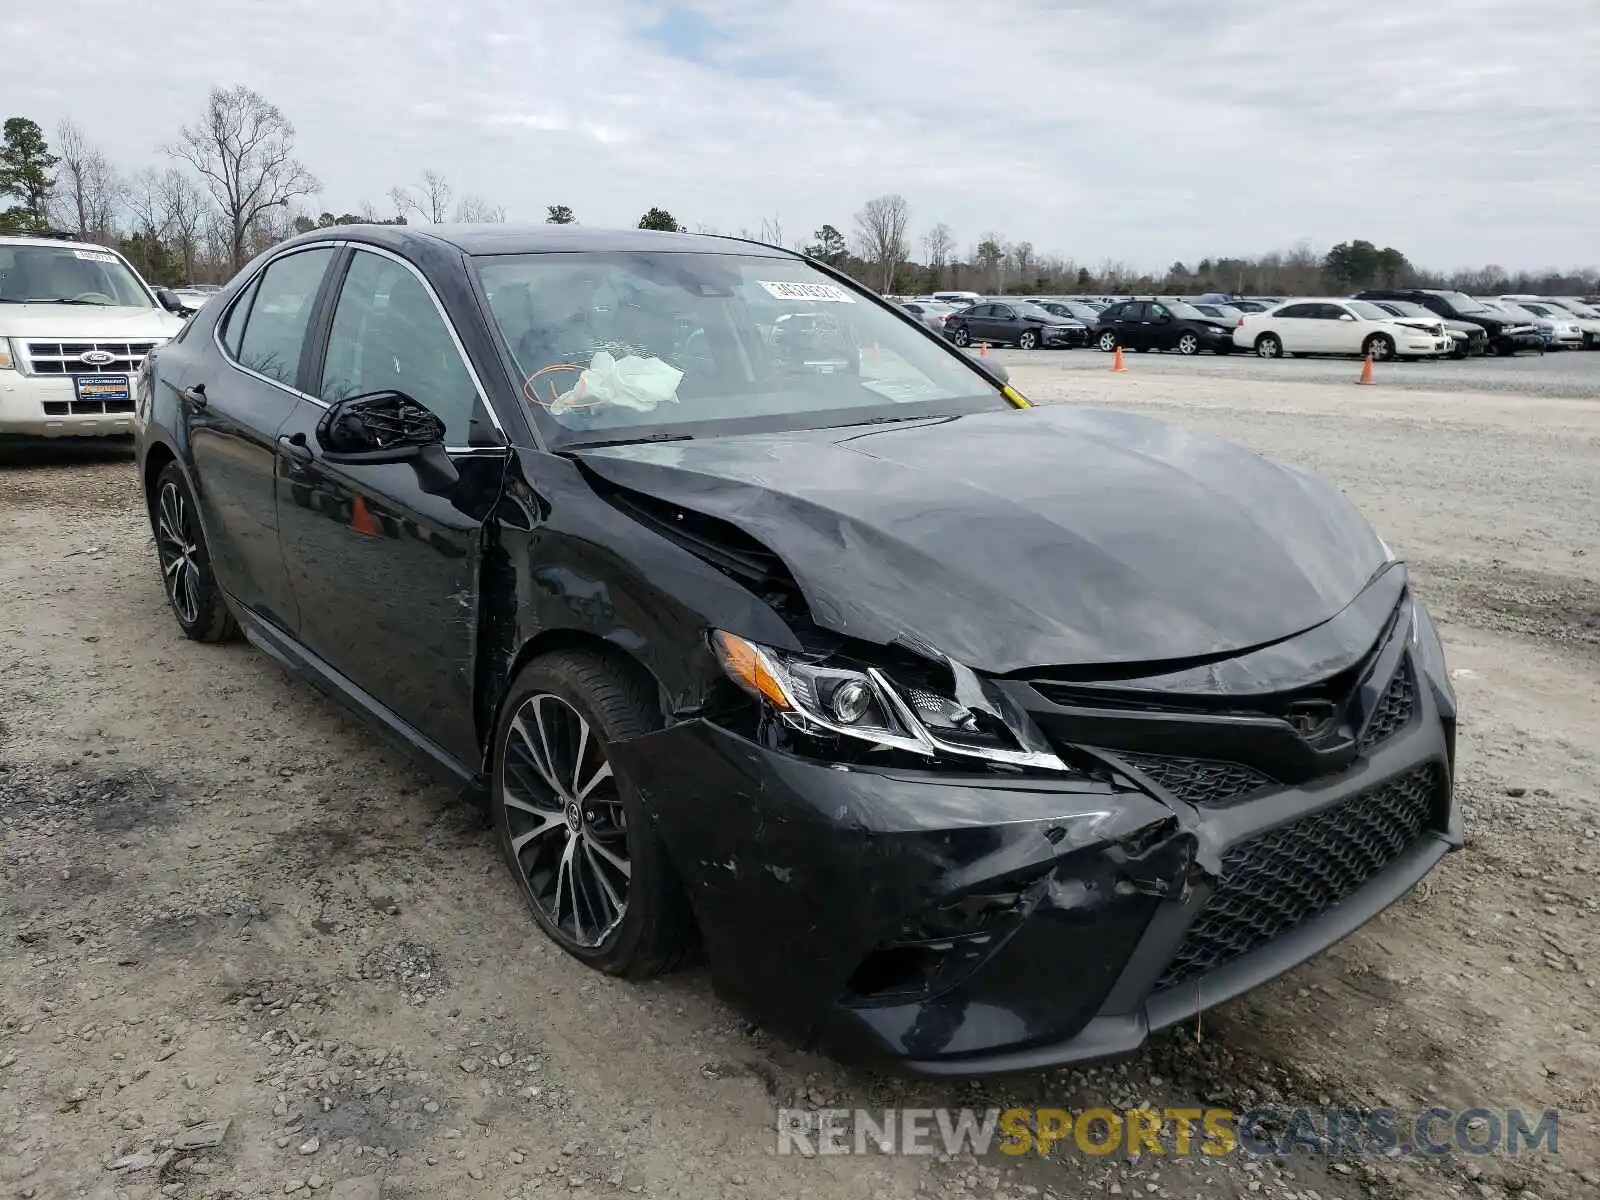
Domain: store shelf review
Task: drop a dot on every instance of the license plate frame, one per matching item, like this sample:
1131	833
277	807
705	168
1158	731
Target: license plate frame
102	388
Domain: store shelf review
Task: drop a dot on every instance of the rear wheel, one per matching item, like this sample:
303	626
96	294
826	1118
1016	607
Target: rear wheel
1028	339
1107	341
1268	345
960	336
572	827
186	573
1379	347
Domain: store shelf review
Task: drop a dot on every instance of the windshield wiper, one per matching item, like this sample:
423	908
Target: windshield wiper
630	441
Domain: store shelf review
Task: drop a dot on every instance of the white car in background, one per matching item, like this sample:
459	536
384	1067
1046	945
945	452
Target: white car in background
1339	326
1585	318
76	322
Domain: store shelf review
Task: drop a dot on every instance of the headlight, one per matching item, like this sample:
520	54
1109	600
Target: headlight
864	704
5	356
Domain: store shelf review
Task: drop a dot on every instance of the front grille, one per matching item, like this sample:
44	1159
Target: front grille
66	358
1273	883
86	408
1199	781
1394	709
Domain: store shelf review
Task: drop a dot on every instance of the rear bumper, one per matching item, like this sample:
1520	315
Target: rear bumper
965	926
47	406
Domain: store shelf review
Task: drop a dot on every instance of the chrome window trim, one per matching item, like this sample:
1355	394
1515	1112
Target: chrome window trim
363	248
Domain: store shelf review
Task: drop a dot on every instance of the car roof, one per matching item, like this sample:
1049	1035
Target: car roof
542	239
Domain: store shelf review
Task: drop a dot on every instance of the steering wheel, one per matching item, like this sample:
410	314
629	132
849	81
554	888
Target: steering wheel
93	298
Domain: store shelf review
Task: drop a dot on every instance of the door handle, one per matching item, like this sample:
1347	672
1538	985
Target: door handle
195	395
293	447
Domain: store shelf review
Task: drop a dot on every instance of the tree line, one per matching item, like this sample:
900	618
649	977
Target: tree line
231	186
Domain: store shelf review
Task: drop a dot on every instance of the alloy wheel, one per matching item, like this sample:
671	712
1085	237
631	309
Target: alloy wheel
1268	346
1108	341
1188	344
961	337
177	548
1028	339
565	819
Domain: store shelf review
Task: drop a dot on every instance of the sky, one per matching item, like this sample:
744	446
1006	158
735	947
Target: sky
1462	132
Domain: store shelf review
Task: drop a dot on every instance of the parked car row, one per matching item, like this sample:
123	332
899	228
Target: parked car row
1381	323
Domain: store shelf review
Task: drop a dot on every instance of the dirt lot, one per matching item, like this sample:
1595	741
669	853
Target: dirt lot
224	901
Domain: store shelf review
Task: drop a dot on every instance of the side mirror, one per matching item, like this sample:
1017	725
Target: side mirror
387	427
990	368
168	299
1346	317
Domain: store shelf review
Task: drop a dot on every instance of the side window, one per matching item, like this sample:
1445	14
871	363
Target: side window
233	324
1121	312
979	310
1153	311
388	336
1004	312
275	329
1297	312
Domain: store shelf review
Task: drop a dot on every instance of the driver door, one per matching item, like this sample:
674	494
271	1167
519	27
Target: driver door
386	575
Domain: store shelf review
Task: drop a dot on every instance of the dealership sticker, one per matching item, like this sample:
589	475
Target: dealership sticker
94	256
824	292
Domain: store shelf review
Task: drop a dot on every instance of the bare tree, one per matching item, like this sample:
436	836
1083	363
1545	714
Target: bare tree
772	231
939	243
991	256
243	148
881	233
1026	263
430	202
475	210
89	191
185	208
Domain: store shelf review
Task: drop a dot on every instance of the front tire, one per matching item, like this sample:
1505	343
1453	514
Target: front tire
1027	340
573	829
1379	347
1188	345
186	573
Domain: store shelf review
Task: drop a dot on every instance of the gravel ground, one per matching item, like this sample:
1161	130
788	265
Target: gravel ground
251	951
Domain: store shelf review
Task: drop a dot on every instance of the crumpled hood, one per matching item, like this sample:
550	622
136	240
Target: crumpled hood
1042	537
89	322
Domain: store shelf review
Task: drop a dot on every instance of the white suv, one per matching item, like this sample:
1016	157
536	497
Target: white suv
75	324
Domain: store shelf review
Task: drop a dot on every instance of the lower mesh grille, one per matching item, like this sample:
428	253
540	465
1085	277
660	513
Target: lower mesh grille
1394	708
1276	881
1199	781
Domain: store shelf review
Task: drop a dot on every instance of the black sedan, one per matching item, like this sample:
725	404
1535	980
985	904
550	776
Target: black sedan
962	734
1162	325
1014	323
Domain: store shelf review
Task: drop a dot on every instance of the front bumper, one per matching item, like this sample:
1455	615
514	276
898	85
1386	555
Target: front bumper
1522	340
1066	336
1425	347
964	926
48	406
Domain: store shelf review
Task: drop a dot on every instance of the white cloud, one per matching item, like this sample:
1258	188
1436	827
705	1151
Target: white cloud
1146	131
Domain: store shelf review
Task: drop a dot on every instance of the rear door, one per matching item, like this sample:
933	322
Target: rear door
1131	326
1296	327
386	574
236	397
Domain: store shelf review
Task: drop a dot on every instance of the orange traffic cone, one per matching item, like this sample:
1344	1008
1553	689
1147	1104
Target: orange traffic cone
1366	370
361	519
983	349
1116	361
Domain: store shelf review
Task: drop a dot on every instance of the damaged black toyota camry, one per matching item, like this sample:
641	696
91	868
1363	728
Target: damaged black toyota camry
962	734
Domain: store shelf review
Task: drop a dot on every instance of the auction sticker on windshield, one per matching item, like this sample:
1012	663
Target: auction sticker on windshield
824	292
94	256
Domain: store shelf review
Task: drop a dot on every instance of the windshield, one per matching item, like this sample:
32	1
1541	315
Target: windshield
622	345
1368	312
68	275
1463	303
1035	311
1184	312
